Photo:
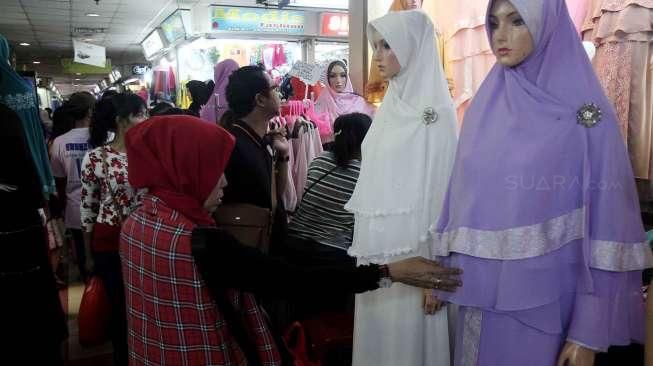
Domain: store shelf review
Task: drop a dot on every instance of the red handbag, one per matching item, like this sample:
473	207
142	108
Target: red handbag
295	339
94	313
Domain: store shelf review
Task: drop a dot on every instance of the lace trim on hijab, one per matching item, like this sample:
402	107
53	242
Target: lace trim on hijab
540	239
387	256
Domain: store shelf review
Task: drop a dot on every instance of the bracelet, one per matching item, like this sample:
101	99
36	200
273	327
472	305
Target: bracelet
283	159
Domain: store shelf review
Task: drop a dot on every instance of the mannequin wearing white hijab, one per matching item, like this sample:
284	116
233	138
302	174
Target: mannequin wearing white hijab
407	159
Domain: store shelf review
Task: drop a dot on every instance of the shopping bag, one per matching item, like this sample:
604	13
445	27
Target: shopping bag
94	314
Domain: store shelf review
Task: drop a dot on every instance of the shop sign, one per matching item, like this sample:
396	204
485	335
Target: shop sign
255	20
70	67
139	69
173	27
334	24
152	44
90	54
308	73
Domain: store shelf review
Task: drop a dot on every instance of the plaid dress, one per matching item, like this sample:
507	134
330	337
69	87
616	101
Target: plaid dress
172	319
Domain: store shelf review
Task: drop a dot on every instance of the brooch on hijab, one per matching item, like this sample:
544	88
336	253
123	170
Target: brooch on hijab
589	115
429	116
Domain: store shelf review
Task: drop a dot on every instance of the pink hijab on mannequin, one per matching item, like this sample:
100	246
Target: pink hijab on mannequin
213	110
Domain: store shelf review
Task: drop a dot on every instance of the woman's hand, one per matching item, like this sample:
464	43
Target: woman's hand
575	355
431	303
424	273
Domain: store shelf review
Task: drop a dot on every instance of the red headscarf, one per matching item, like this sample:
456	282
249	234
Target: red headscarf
180	160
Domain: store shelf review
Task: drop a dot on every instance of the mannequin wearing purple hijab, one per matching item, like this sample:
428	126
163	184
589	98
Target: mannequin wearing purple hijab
542	212
213	110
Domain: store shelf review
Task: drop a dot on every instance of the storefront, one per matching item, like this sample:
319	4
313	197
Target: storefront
188	44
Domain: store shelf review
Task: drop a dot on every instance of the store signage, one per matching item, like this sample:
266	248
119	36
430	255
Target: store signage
89	54
334	24
308	73
70	67
152	44
173	27
139	69
255	20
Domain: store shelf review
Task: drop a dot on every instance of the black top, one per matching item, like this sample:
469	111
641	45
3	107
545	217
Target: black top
225	263
18	208
249	175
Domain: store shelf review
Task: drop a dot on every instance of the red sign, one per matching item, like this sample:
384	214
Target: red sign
335	25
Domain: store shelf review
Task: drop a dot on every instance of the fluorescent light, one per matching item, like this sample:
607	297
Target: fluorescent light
88	39
24	44
36	62
76	85
78	79
92	14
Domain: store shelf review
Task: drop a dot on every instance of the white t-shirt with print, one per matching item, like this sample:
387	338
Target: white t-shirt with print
68	151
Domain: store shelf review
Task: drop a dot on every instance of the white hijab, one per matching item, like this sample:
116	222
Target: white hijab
409	151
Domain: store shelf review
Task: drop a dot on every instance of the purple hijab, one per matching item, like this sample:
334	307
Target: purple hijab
213	110
537	199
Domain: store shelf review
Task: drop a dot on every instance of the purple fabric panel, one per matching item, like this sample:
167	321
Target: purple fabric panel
613	314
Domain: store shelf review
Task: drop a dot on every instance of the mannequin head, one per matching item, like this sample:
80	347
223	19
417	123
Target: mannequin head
386	59
337	76
412	4
512	41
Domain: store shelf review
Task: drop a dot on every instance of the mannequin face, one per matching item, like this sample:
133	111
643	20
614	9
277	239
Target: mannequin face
338	79
512	42
413	4
386	59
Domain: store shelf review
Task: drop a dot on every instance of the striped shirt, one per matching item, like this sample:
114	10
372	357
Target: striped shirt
321	215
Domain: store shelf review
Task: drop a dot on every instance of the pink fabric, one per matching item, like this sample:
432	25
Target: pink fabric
335	104
578	11
213	110
300	167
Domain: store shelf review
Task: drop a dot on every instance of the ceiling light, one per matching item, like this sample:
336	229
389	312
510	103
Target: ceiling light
78	79
24	44
76	85
92	14
78	73
88	39
36	62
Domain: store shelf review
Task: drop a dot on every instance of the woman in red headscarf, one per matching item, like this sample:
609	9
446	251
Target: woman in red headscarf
177	316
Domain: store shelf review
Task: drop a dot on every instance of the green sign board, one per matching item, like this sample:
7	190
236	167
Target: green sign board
70	67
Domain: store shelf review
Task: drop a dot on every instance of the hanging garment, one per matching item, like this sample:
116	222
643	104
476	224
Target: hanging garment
560	215
623	33
19	96
578	11
470	56
407	157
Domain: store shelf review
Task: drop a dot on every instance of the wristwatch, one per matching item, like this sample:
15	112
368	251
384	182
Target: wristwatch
385	281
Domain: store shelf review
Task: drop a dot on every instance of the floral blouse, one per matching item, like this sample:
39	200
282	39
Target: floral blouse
103	197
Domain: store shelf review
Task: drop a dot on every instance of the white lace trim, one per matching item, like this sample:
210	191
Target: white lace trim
516	243
380	258
471	336
540	239
621	257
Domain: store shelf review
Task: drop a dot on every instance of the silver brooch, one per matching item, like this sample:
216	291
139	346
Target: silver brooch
589	115
429	116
